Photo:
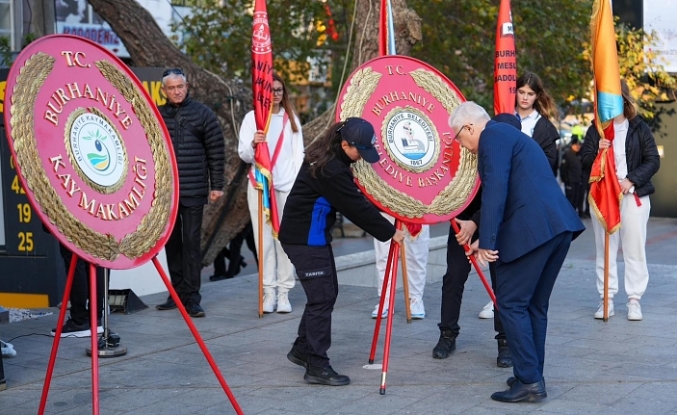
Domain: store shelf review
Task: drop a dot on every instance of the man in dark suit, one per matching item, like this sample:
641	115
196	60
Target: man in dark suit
526	227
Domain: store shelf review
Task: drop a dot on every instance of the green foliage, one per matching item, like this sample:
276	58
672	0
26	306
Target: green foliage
6	55
642	69
219	35
459	39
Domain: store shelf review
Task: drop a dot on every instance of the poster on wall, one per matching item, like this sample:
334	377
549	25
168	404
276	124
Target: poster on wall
76	17
660	17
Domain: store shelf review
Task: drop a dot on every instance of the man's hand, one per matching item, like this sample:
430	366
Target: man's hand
604	143
486	255
467	230
259	137
399	236
214	195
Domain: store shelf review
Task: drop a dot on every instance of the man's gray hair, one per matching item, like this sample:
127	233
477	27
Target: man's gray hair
173	75
467	113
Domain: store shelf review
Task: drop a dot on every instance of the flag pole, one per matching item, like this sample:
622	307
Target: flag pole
606	277
260	215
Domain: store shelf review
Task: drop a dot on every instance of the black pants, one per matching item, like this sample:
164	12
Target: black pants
317	272
183	254
453	284
80	288
574	193
233	252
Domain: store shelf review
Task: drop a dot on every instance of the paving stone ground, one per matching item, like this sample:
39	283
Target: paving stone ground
592	367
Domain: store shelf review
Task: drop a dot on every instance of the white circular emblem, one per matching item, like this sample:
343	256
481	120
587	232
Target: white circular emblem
97	150
410	140
261	42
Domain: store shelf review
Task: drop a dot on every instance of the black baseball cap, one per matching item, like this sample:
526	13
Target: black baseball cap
359	133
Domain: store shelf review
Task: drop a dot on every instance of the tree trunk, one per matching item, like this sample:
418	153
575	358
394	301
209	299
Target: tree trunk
230	100
365	46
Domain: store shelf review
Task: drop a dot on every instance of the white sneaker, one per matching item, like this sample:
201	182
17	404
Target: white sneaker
283	305
634	311
269	303
487	311
417	309
599	314
374	313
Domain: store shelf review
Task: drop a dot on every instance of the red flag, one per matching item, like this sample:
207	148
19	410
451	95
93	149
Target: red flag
505	62
605	191
262	87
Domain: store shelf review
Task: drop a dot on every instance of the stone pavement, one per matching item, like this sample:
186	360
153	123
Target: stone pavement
592	367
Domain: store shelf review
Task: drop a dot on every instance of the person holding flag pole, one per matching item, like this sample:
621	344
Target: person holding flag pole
271	127
623	155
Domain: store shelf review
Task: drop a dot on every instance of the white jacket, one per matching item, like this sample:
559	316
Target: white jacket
291	154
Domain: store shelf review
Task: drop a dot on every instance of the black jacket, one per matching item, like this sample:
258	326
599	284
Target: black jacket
310	211
641	154
198	147
546	135
571	169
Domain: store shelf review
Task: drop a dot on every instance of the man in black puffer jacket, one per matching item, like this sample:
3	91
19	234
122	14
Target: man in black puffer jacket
197	140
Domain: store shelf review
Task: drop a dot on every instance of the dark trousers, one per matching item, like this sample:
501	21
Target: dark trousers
523	293
453	284
80	288
574	193
317	272
183	254
233	253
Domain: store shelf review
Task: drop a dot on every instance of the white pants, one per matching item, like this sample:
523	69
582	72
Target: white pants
632	238
416	251
277	269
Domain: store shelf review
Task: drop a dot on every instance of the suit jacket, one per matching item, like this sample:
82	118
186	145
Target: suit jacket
523	206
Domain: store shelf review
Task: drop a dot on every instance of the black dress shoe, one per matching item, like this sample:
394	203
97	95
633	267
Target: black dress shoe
504	358
219	277
445	345
167	305
297	357
194	310
325	376
511	380
520	392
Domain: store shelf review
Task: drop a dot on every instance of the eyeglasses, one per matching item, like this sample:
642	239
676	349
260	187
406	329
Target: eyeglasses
461	130
175	71
278	91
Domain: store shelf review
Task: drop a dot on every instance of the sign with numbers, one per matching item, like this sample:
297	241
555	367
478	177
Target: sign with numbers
92	155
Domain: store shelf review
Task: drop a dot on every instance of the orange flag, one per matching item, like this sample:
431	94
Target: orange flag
505	62
605	191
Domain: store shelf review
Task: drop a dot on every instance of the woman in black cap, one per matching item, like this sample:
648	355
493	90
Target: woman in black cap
324	186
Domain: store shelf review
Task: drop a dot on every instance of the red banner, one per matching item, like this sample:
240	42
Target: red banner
262	87
505	62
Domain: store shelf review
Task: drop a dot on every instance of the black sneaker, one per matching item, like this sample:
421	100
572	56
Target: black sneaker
71	329
445	345
297	357
194	310
167	305
325	376
219	277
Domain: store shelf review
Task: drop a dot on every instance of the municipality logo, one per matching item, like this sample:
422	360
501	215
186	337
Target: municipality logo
96	149
410	140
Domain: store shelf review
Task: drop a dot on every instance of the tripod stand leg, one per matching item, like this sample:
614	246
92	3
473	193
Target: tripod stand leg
93	309
198	338
57	335
389	324
384	287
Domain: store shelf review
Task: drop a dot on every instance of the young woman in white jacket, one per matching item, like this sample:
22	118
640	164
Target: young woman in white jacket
285	145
